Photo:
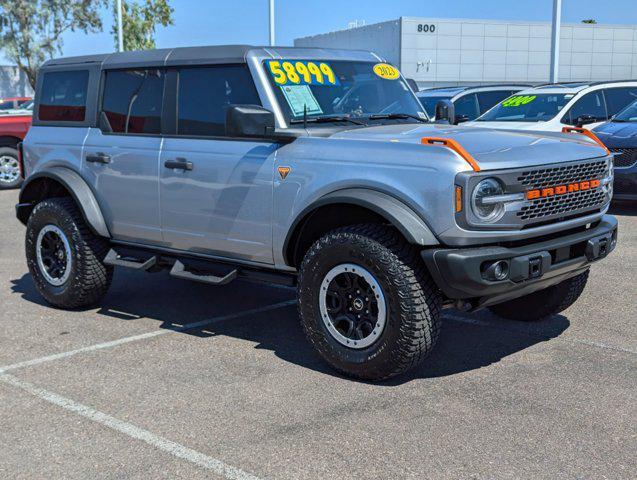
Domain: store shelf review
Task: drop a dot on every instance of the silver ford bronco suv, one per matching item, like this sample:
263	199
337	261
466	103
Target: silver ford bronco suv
309	167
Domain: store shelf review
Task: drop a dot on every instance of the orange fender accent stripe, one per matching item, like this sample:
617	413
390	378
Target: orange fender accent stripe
588	133
452	145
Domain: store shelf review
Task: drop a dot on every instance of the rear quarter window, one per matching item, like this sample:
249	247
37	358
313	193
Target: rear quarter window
63	96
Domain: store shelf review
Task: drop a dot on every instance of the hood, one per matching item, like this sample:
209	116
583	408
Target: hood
534	126
618	134
492	149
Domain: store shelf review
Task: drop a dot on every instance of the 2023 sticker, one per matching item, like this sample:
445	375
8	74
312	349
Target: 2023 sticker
301	72
386	71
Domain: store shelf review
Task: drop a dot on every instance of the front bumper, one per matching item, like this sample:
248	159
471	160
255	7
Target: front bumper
461	273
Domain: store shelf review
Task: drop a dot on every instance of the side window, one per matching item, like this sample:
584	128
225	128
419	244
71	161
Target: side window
486	100
619	98
132	100
63	96
467	106
205	93
590	104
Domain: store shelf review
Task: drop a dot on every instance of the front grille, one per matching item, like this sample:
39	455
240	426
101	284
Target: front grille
562	204
624	157
550	177
556	207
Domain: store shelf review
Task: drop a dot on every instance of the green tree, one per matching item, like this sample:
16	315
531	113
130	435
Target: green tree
590	20
139	22
30	30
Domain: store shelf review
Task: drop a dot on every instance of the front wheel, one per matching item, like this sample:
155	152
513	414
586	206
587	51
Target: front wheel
544	303
367	303
64	257
10	175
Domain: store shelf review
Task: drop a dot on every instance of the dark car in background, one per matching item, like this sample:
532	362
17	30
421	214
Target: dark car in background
469	101
620	136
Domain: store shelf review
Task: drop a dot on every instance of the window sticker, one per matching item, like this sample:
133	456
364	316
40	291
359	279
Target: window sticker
300	97
301	72
386	71
518	100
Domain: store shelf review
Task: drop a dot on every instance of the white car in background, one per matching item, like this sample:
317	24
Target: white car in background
555	106
469	101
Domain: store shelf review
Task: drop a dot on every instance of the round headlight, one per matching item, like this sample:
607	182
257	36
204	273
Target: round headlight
487	211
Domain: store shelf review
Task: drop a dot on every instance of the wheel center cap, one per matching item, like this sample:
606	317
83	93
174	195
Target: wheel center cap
358	304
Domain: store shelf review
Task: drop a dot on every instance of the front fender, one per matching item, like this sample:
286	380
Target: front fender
79	190
408	222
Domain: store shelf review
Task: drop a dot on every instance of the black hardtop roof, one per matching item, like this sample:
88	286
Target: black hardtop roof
217	54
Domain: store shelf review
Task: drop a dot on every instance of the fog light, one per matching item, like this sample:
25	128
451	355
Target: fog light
496	271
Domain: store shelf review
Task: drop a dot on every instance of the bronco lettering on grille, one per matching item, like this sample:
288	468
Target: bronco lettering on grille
563	189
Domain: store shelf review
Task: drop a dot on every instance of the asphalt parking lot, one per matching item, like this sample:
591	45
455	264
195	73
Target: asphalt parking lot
126	391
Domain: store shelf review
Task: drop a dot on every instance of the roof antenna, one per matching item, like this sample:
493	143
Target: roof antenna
305	116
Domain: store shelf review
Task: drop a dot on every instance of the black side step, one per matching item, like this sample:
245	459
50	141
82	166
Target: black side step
113	258
179	270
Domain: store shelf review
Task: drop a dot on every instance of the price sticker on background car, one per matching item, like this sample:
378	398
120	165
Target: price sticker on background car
386	71
518	100
301	72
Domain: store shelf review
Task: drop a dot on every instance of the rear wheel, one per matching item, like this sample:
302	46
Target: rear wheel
10	175
64	257
366	302
544	303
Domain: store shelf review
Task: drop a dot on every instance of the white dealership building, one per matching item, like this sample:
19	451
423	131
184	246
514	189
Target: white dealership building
436	51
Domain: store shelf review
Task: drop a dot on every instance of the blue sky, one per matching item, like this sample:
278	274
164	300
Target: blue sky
210	22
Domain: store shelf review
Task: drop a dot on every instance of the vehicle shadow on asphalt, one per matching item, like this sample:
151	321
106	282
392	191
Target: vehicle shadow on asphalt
467	341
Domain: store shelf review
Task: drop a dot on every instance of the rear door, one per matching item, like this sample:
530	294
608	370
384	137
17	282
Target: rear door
216	191
121	156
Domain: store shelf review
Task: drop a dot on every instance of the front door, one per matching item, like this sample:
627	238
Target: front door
216	192
121	157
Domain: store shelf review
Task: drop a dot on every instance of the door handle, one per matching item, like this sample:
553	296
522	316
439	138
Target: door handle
98	158
179	164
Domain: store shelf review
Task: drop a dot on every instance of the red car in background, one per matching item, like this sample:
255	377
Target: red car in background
13	129
13	102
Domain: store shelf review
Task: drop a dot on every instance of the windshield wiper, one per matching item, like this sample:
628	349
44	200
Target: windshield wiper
392	116
327	119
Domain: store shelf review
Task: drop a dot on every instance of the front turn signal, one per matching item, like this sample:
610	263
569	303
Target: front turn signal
458	199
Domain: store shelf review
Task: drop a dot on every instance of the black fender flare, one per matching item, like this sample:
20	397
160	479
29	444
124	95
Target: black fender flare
79	190
401	216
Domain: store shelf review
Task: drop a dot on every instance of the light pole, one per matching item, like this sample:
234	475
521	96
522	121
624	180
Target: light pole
555	40
120	29
271	23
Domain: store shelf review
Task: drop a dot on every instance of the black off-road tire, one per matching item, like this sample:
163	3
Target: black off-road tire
413	301
10	152
544	303
90	278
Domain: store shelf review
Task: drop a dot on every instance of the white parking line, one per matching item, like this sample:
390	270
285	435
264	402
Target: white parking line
486	323
143	336
133	431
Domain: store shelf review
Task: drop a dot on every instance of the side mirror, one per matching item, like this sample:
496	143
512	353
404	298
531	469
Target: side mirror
445	111
249	121
585	120
412	84
461	119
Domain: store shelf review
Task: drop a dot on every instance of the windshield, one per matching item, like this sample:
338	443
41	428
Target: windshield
628	114
355	90
429	103
537	107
